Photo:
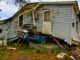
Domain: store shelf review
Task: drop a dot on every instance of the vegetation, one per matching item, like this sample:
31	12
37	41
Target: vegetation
20	2
3	53
25	53
23	48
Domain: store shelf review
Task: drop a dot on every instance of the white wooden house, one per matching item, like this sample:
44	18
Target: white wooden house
56	18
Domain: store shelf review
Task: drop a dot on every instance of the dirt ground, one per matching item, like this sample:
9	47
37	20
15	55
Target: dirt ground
25	54
20	55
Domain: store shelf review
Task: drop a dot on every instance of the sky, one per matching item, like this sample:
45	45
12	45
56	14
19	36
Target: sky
10	9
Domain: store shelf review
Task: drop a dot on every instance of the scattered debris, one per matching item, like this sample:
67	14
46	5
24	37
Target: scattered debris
11	48
58	44
72	58
65	56
76	42
61	55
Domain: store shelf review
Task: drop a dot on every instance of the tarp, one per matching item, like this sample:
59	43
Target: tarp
37	39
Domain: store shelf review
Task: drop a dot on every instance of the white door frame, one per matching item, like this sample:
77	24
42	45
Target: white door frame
50	20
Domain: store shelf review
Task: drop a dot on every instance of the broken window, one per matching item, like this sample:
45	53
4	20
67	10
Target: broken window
47	15
20	20
0	30
36	15
77	26
73	24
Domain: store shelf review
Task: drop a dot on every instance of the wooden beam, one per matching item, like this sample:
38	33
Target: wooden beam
58	43
33	13
33	18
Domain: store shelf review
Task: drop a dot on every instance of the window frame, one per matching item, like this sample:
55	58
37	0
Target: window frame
0	30
20	17
50	15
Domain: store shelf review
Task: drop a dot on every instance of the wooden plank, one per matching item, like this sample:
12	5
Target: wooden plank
33	18
75	42
58	43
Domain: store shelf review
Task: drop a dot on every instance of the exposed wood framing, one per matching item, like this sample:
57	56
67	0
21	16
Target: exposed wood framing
33	16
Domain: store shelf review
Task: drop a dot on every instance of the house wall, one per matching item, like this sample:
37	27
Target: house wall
13	28
61	24
27	20
61	20
5	29
79	29
75	29
39	20
1	28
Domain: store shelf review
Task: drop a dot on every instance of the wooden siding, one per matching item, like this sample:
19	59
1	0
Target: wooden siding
13	28
5	29
14	25
60	23
39	20
28	20
79	29
61	20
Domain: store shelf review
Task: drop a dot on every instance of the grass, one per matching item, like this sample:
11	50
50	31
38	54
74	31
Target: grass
56	50
31	52
3	53
23	48
41	50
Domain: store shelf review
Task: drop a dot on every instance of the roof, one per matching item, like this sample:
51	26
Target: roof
74	3
4	21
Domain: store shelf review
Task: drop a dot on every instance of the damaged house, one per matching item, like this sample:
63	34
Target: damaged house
58	19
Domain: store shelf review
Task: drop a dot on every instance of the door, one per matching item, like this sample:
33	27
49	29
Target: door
47	22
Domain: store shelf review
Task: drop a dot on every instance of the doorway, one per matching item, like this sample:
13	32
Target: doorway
47	22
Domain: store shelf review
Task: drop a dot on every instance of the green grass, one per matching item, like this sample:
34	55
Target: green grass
42	49
3	53
23	48
56	50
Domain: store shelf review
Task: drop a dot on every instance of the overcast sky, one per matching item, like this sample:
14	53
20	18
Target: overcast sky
10	9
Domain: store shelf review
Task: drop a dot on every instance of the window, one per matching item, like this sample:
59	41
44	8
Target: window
36	15
47	15
77	26
20	20
73	24
0	30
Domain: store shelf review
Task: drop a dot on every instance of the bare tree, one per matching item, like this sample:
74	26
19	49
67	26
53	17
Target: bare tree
21	3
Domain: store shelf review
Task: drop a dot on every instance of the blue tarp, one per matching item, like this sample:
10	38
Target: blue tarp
37	39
